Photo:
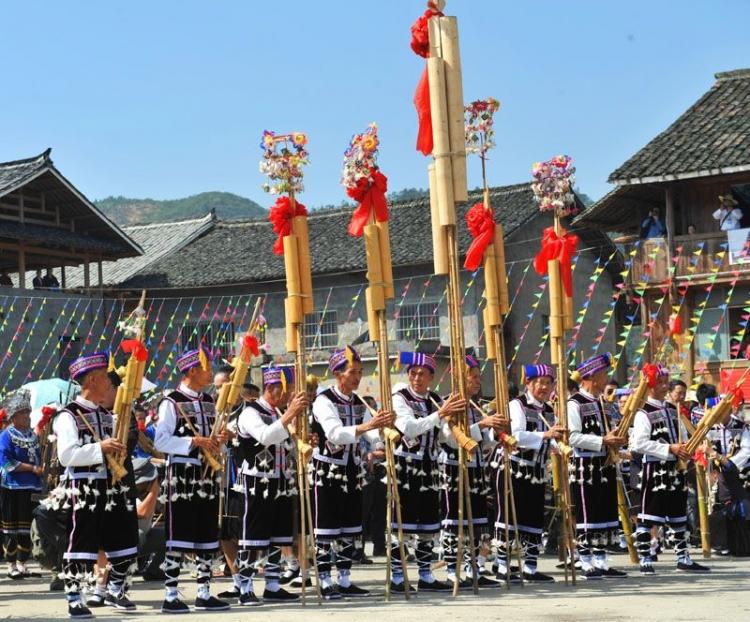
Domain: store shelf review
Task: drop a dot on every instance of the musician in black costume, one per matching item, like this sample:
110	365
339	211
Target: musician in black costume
190	489
340	419
532	425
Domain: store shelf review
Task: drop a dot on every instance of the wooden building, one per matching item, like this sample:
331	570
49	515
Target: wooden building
696	271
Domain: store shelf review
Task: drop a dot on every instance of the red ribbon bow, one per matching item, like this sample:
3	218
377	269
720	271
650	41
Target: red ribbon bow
738	398
558	247
251	343
651	372
136	348
280	215
420	43
47	413
371	199
481	224
700	458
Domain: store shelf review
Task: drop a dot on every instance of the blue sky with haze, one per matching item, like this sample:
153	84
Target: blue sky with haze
168	98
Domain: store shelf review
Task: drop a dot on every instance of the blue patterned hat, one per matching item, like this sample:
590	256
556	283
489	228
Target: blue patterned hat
417	359
342	357
88	362
530	372
192	358
596	363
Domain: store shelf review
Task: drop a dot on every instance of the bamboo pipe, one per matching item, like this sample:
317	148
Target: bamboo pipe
448	27
295	313
386	269
705	523
439	242
501	274
440	131
301	232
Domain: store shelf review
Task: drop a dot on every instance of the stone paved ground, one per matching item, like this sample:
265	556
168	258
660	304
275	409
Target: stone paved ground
721	595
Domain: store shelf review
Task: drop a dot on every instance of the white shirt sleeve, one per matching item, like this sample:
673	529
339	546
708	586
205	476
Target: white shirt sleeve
526	440
742	456
164	439
250	423
640	439
325	413
408	424
717	214
579	440
70	451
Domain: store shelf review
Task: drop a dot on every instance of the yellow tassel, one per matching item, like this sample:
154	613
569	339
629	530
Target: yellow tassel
283	380
575	376
111	366
205	365
523	375
349	355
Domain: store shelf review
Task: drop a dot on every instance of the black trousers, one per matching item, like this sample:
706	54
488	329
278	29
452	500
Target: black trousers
373	513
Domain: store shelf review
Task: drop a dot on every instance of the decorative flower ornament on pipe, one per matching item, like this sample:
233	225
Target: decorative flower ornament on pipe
480	133
553	185
284	155
363	180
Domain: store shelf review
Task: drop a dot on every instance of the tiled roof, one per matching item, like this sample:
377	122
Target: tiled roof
712	137
58	238
157	240
17	172
240	252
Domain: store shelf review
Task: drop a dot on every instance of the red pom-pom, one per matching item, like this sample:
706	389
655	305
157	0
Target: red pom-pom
420	37
651	372
136	348
251	343
141	425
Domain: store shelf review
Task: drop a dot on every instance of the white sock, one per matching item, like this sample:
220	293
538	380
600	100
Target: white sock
344	579
171	593
204	591
237	580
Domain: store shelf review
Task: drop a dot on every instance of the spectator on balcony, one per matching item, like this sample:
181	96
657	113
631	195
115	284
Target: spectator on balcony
728	214
49	281
691	230
653	226
5	280
38	281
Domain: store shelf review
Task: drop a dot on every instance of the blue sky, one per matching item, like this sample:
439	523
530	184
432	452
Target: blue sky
168	98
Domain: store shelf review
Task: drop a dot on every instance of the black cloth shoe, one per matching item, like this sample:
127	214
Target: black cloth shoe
592	574
249	600
378	551
279	596
233	593
122	602
95	600
79	611
288	575
329	593
352	591
435	586
15	574
502	577
465	584
210	604
400	588
613	573
174	606
647	568
56	585
537	577
297	582
484	581
365	561
692	566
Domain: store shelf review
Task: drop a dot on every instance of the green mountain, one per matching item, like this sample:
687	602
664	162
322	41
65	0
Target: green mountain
228	206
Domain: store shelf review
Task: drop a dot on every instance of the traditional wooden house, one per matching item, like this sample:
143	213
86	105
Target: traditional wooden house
696	270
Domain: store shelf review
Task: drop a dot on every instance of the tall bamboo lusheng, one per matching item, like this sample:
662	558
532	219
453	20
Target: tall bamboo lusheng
447	186
488	248
552	188
283	159
366	184
627	413
130	387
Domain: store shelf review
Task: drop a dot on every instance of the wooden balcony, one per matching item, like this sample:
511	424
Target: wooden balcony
696	259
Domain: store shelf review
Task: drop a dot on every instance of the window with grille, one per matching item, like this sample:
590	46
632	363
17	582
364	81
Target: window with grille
216	336
418	321
321	330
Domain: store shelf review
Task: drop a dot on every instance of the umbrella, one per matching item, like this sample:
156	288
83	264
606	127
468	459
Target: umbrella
51	391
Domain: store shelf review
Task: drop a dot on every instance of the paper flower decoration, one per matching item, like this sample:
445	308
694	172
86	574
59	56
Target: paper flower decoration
553	185
284	155
363	180
480	134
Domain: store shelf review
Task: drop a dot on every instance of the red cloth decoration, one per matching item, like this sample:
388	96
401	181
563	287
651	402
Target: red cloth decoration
47	413
136	348
420	43
675	324
738	398
141	424
651	372
3	415
558	247
371	199
251	343
280	215
481	224
700	458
